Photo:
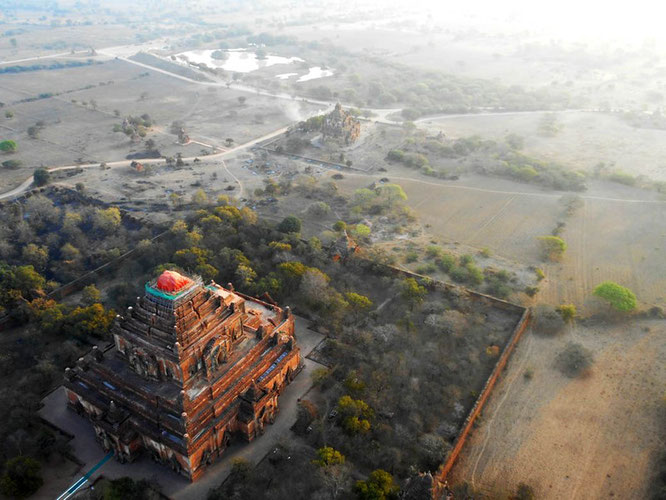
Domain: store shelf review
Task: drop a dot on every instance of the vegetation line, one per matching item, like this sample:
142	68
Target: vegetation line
498	191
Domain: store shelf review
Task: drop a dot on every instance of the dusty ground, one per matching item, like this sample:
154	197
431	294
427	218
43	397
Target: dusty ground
593	437
75	131
622	242
619	234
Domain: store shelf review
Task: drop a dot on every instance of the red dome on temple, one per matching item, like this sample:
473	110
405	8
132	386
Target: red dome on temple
171	281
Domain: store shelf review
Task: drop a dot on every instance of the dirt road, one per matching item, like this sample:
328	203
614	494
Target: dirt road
25	185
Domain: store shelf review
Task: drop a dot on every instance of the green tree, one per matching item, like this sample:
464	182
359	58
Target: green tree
619	297
244	275
392	193
358	302
91	295
107	220
27	280
193	257
175	199
49	314
200	198
92	320
379	486
8	146
568	312
340	226
21	478
515	141
363	197
42	177
355	415
412	292
319	209
328	456
553	247
361	231
37	256
290	224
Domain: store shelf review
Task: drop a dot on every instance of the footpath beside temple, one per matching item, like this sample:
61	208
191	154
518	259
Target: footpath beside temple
192	366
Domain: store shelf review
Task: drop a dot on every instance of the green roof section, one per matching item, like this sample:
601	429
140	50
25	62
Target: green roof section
165	295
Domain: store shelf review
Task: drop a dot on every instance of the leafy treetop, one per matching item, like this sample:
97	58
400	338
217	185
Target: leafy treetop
619	297
328	456
379	486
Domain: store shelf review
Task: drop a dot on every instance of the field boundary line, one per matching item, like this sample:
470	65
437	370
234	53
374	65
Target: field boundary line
499	405
522	193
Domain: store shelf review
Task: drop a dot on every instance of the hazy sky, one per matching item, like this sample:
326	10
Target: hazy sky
633	20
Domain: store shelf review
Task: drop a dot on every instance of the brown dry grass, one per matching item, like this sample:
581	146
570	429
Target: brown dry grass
593	437
585	139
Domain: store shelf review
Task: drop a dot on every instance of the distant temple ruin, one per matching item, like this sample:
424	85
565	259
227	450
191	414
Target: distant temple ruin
341	125
192	365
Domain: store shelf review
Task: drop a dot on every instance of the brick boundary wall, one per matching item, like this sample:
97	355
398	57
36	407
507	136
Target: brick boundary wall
446	467
448	287
309	159
518	330
88	277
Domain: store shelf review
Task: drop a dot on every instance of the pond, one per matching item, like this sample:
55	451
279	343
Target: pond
244	61
315	72
237	60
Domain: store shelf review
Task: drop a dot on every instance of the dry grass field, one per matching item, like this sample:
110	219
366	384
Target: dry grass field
38	40
584	140
623	242
76	131
608	239
593	437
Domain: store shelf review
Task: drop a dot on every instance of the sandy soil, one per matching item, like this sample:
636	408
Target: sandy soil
593	437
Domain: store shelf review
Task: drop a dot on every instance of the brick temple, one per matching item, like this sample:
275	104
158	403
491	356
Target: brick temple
341	125
192	366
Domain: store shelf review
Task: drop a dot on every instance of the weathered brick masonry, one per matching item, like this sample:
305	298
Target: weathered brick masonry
192	366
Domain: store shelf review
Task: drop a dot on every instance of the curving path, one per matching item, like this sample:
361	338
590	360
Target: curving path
48	56
380	116
27	184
